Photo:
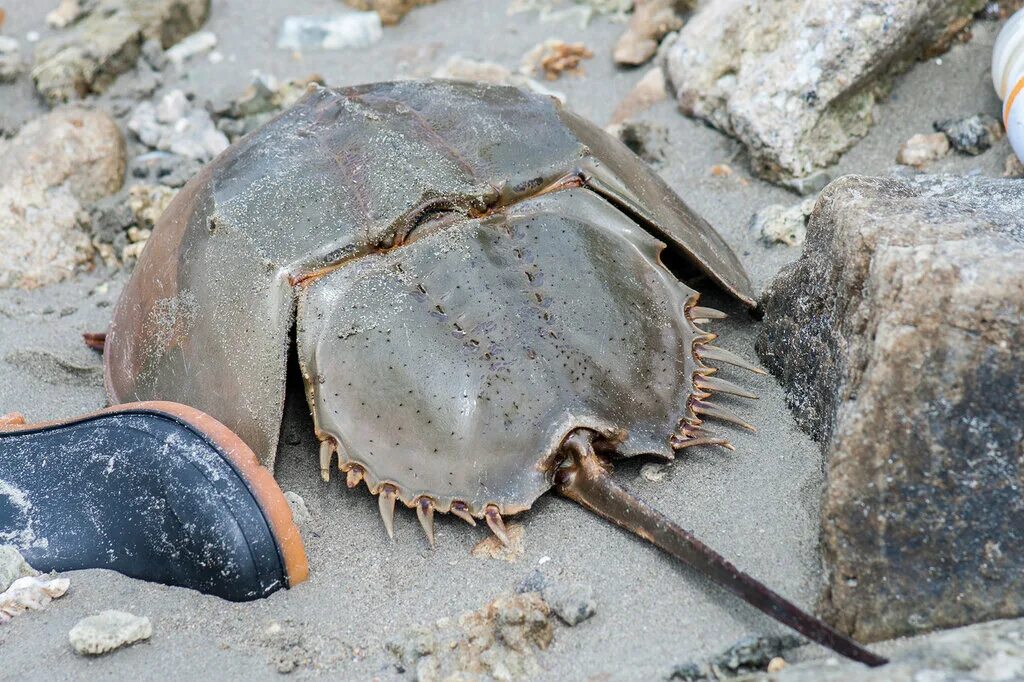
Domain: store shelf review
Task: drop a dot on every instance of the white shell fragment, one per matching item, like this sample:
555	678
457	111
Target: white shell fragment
107	631
339	32
30	593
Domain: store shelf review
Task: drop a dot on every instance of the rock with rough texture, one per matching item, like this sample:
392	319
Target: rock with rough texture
749	655
972	135
652	20
54	166
108	41
987	652
897	336
390	11
10	59
573	603
175	125
920	150
783	224
796	80
499	641
13	566
107	631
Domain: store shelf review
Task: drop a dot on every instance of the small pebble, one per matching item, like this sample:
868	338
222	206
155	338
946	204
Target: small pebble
573	603
107	631
300	513
653	472
923	149
972	135
776	664
783	225
1013	168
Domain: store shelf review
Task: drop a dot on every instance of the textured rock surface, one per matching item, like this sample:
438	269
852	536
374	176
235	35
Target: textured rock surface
573	603
107	42
13	566
749	655
897	336
921	150
795	80
175	125
972	135
783	224
499	641
55	165
107	631
987	652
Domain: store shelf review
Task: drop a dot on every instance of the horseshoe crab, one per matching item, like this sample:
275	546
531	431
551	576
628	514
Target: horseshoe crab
480	310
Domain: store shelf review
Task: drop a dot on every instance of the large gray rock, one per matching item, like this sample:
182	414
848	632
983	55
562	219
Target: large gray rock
795	80
108	41
897	336
53	168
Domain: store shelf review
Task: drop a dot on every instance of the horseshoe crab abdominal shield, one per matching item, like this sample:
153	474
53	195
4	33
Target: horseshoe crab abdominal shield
480	309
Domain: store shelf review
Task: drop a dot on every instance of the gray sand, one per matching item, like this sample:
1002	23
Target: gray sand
758	506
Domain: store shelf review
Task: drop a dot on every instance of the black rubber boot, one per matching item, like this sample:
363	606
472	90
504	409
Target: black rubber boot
156	491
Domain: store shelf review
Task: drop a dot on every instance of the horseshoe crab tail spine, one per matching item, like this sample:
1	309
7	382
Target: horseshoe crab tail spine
584	479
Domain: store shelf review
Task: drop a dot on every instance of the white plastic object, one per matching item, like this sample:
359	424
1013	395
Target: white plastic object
1008	78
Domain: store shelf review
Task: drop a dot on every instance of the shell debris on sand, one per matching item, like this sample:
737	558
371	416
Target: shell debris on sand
107	631
552	58
30	593
498	641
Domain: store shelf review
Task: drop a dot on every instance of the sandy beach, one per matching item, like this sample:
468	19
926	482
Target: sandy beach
759	506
